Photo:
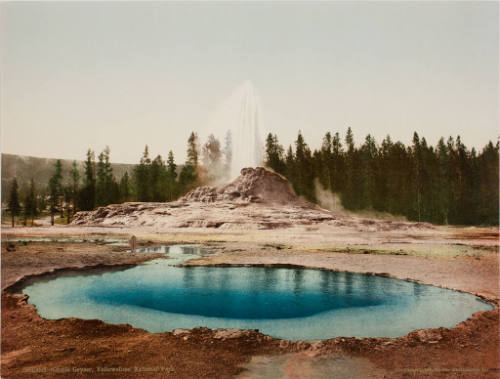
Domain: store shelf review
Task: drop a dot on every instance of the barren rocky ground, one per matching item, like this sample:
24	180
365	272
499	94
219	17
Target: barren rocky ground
469	350
258	230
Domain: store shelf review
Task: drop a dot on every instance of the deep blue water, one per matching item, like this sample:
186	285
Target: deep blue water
282	302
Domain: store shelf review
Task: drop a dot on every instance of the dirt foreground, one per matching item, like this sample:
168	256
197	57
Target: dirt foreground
464	259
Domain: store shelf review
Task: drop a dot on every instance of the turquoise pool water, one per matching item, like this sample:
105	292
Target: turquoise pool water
293	304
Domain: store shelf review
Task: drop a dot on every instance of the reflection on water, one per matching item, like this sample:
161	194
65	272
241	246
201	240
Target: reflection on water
283	302
249	292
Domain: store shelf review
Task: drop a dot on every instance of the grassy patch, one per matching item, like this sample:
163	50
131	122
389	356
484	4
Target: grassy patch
61	221
365	250
456	250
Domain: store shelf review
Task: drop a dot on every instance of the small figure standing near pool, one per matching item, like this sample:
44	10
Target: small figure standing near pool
133	243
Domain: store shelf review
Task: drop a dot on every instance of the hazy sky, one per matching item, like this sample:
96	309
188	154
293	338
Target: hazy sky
80	75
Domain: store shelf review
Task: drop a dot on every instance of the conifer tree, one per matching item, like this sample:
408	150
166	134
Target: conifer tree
488	185
30	204
300	164
125	188
158	179
14	206
337	165
300	169
55	191
171	177
349	196
290	167
416	173
88	191
68	196
101	185
369	172
188	176
75	183
106	186
142	177
443	183
193	150
274	154
326	165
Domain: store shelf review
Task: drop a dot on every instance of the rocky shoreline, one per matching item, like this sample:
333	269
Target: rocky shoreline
468	350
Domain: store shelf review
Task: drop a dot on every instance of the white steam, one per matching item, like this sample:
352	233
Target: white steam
326	198
240	114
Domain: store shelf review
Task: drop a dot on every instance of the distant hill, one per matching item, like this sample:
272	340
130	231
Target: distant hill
41	169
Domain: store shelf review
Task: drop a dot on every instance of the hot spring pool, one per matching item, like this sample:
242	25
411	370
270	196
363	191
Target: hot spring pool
288	303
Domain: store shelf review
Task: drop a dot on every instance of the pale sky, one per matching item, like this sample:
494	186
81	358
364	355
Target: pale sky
80	75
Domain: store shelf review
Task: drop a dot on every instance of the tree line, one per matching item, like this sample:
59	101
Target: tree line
443	184
150	180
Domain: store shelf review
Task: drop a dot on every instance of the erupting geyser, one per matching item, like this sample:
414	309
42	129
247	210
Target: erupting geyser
239	115
246	142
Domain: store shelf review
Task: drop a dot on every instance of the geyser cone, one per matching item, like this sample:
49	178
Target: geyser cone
255	185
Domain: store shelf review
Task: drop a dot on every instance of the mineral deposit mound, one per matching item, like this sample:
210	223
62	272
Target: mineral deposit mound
257	199
254	185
